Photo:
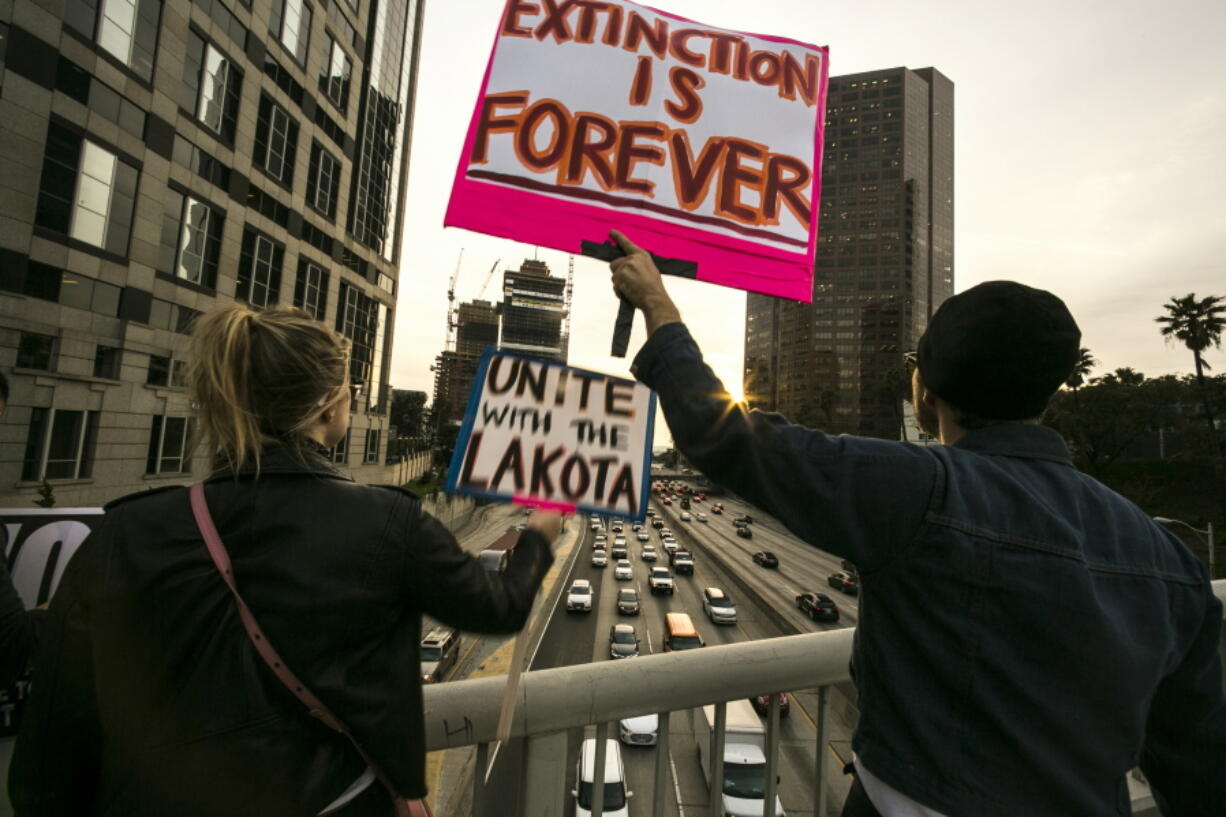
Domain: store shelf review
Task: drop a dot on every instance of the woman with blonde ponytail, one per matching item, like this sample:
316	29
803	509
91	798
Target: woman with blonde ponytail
158	692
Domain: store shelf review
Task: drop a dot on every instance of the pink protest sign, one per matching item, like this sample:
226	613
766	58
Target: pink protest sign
700	143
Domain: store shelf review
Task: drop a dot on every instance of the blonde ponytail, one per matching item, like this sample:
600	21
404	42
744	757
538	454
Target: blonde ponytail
256	377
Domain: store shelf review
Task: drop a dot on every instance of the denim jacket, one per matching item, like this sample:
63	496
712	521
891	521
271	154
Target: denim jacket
1026	635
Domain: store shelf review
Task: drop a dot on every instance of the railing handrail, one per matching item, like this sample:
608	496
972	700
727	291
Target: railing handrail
460	713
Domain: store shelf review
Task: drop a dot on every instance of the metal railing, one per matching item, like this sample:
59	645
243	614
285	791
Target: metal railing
551	701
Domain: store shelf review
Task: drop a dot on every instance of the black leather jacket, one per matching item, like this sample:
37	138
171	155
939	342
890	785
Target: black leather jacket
148	698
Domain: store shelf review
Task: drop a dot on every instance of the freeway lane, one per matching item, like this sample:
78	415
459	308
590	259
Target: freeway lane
574	638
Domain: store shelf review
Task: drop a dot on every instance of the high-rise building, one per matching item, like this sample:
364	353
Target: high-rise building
165	156
884	259
455	370
534	308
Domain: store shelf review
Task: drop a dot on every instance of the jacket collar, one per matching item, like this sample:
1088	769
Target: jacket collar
283	458
1017	440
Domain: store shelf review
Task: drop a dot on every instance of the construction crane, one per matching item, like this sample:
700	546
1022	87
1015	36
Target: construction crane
452	312
488	278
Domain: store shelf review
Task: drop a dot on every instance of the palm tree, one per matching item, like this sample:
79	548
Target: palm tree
1085	364
1198	323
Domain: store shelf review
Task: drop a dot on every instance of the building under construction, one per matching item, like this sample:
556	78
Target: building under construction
456	369
535	307
532	319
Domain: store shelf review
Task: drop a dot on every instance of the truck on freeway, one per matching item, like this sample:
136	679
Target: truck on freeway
743	766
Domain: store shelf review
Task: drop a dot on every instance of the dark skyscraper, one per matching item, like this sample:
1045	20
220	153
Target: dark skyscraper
165	156
884	259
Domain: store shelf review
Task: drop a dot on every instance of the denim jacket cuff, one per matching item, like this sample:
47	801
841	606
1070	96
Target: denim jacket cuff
651	357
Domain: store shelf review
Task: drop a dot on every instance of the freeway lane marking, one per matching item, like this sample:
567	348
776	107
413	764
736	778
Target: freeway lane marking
673	768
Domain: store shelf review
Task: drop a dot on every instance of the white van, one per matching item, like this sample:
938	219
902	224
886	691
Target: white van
615	794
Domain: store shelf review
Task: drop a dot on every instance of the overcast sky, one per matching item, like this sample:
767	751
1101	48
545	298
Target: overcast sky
1088	161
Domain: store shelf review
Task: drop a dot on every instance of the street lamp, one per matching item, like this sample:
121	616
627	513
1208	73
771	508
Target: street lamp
1207	533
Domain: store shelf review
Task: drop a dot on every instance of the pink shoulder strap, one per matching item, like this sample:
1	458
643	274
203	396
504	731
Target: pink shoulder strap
221	558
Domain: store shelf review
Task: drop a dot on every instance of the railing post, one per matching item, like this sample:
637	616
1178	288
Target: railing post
543	787
715	763
819	791
480	767
602	734
659	791
772	753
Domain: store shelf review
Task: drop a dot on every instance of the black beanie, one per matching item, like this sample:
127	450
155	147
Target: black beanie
999	350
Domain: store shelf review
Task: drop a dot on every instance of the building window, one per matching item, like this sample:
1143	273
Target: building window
311	288
39	280
334	81
125	29
276	138
259	273
340	451
212	85
198	244
76	83
159	371
356	320
60	444
201	163
106	362
291	24
168	446
35	351
372	446
323	181
86	192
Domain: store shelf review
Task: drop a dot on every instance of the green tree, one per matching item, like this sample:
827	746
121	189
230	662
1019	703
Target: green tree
1102	419
1198	324
1081	370
46	495
408	412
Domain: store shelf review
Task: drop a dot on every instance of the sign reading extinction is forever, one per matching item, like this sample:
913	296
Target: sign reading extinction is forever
700	143
551	435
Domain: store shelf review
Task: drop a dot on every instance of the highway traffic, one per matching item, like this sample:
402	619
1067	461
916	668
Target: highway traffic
765	603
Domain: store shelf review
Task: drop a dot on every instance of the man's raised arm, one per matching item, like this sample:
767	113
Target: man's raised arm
857	498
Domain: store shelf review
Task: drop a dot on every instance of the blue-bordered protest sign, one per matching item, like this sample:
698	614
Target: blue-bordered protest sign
553	436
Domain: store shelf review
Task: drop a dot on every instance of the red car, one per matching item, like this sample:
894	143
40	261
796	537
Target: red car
667	501
761	702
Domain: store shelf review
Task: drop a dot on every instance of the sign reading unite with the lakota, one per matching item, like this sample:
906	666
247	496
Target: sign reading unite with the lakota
555	436
698	142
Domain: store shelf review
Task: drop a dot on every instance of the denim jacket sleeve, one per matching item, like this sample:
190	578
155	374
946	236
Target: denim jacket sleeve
1185	742
859	498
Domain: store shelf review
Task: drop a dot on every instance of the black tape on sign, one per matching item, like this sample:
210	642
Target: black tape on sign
608	251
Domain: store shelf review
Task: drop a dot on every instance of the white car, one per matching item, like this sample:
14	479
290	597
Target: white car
623	570
670	545
600	541
579	597
619	540
649	553
702	517
685	516
595	525
636	527
640	731
665	533
643	537
600	559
